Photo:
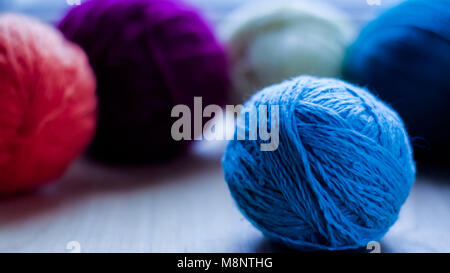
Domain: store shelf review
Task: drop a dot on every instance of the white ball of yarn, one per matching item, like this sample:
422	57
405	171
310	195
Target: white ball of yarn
269	42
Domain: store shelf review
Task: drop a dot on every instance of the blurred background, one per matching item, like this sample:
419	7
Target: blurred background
361	11
184	205
52	10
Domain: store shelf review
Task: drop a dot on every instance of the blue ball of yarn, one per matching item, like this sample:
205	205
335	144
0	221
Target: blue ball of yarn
342	170
404	57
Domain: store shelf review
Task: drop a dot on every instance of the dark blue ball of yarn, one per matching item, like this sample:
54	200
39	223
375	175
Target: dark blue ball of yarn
342	170
404	57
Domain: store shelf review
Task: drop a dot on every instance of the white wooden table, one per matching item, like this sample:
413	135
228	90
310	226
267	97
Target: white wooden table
184	206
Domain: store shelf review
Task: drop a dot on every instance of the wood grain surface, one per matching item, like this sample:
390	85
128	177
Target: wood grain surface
184	206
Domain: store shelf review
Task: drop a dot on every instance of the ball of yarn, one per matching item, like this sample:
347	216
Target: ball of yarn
148	56
47	103
404	57
341	172
272	41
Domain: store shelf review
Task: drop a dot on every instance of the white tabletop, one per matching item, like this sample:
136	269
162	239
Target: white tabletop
184	206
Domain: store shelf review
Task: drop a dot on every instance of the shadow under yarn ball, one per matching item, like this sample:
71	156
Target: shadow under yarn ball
148	56
404	57
341	173
272	41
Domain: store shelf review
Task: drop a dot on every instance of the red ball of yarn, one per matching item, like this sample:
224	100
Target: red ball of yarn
47	103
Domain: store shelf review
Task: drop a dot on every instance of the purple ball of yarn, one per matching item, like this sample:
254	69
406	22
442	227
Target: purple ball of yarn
148	56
